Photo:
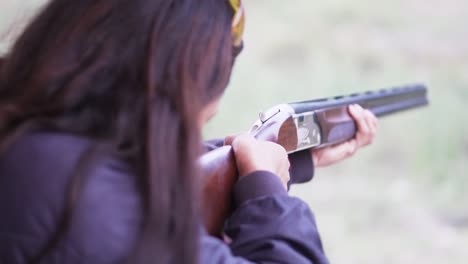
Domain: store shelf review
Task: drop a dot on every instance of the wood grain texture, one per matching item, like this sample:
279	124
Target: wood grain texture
219	172
336	125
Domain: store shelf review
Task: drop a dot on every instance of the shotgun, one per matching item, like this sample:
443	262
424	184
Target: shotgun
297	126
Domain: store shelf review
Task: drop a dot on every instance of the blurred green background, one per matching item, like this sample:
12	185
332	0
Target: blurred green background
403	199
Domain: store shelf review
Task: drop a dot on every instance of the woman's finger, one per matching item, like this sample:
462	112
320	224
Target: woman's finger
372	122
229	139
375	122
243	140
368	137
358	114
330	155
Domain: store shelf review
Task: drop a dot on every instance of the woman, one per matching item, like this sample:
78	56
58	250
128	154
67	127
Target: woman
101	107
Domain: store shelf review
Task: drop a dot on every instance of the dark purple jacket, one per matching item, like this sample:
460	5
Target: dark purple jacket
267	226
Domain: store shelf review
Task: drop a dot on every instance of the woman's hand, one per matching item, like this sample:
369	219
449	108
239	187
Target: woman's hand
367	128
253	155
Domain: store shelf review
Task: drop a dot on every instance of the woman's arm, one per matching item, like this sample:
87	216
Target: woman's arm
268	226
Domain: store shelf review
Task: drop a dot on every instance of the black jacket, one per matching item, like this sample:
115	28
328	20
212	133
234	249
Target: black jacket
267	226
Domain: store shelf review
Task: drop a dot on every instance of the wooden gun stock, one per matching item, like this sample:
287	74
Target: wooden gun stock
296	126
219	176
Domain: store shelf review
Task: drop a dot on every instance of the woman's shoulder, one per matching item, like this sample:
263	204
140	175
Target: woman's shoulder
38	173
50	162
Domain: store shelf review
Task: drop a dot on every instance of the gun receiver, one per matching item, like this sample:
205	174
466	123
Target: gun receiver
298	126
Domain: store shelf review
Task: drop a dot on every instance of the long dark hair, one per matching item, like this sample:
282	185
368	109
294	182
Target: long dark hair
133	75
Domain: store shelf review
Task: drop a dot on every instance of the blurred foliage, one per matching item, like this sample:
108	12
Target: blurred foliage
402	200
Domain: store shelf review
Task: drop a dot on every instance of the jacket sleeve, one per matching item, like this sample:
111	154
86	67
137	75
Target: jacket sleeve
267	226
302	166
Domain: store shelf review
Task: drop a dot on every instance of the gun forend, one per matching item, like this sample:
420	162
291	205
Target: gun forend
322	122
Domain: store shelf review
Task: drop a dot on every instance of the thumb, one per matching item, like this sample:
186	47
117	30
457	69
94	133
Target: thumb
229	139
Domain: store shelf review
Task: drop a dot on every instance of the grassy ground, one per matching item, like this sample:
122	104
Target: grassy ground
402	200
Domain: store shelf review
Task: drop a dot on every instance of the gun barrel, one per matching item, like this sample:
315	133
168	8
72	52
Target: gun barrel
381	102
